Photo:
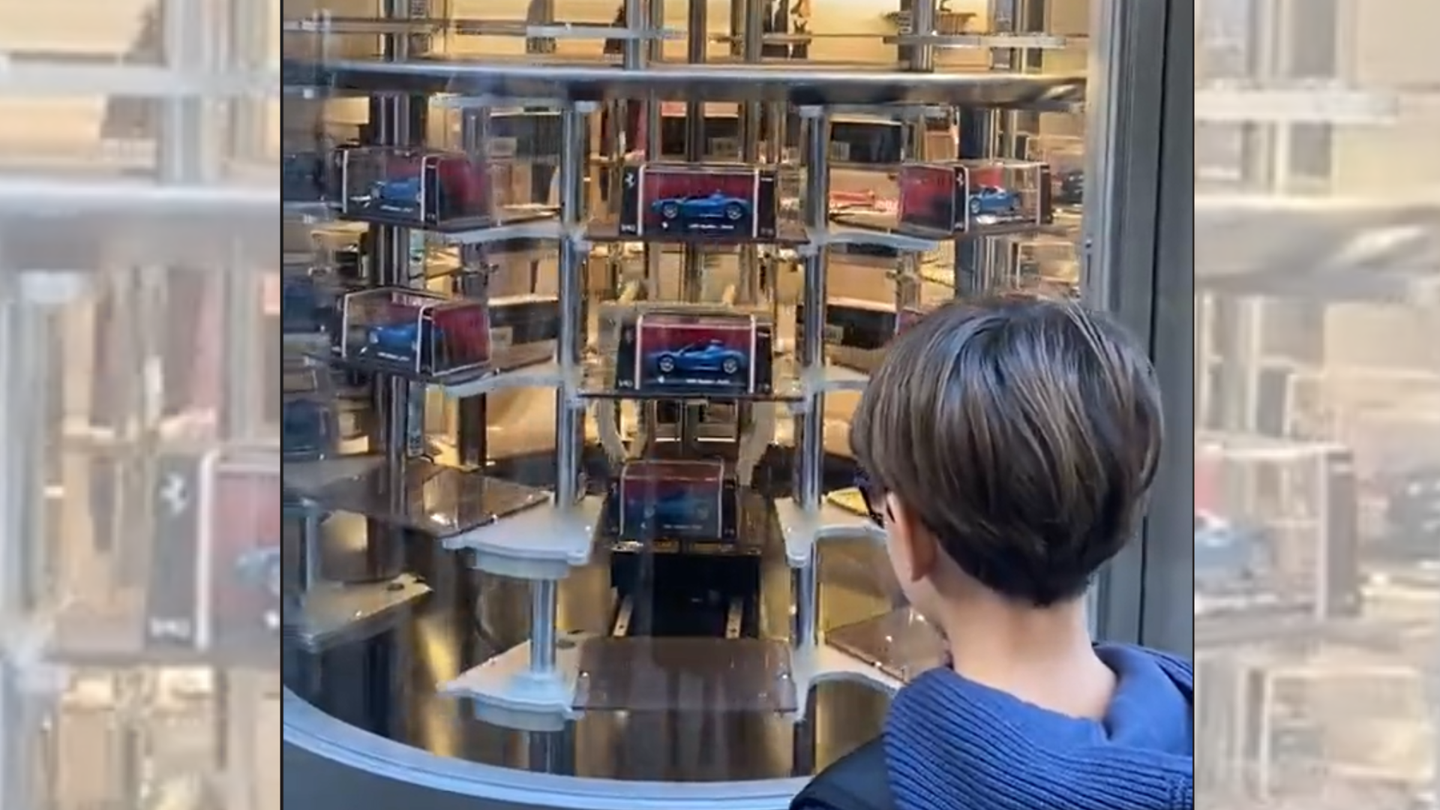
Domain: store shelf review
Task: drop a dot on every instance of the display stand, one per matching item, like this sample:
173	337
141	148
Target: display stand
557	675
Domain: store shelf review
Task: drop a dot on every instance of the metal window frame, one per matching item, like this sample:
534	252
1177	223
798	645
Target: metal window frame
1139	266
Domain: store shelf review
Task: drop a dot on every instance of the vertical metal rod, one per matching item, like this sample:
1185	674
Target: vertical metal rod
470	430
391	120
811	451
692	267
656	48
753	34
922	22
181	147
970	261
544	594
239	406
571	266
636	19
310	568
817	192
13	475
693	255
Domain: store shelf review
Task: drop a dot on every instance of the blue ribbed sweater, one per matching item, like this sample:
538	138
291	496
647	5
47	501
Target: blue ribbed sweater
952	744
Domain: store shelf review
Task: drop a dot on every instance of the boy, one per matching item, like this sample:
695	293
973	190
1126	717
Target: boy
1008	448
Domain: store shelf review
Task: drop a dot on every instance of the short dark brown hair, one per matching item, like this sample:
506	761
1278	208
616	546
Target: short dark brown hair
1023	432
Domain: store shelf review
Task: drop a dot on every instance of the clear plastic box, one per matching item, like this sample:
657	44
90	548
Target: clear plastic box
416	188
415	332
975	195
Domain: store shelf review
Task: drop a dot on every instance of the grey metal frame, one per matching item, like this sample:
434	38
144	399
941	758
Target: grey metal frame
1138	264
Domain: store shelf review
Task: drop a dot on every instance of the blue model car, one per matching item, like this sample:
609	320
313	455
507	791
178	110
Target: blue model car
676	512
992	200
401	195
675	509
304	429
705	357
260	568
714	206
395	339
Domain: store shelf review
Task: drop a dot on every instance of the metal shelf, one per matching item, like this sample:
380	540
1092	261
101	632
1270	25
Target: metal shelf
700	82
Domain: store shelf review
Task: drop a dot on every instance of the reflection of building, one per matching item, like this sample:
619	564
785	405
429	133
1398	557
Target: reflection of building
1319	190
1362	130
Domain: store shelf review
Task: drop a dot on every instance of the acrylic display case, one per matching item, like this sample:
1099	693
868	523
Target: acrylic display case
608	548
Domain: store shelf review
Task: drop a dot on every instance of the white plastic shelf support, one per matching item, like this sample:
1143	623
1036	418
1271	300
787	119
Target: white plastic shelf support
803	529
505	692
333	613
542	543
821	663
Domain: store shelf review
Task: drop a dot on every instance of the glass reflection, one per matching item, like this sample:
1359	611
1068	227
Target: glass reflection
1317	387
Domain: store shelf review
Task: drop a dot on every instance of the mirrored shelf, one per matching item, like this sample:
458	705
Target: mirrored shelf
899	643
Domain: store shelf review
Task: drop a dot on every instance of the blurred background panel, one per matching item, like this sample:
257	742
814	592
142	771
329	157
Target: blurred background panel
138	225
1317	401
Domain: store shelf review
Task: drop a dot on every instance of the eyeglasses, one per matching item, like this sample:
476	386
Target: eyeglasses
870	496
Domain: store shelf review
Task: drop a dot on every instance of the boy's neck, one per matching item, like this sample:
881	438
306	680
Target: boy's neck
1041	656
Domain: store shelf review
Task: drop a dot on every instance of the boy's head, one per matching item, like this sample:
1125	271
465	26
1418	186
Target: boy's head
1012	438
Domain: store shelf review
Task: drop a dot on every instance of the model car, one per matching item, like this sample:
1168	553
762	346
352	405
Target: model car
992	201
304	427
401	194
671	510
705	357
1071	188
716	205
260	568
400	340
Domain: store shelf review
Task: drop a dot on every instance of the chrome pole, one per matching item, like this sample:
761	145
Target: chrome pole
810	462
569	420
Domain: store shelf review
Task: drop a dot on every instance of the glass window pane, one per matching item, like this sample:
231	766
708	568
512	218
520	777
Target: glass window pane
1320	432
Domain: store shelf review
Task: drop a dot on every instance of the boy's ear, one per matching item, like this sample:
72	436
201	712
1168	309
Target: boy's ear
914	547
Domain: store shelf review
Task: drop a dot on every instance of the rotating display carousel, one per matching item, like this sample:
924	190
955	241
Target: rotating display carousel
575	316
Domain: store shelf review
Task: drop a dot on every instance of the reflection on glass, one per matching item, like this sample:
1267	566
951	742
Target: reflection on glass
1317	387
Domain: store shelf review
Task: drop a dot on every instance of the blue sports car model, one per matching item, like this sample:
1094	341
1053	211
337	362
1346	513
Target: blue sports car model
992	200
260	568
395	339
673	510
304	427
716	205
705	357
403	194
